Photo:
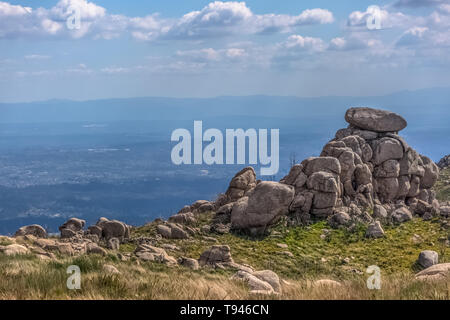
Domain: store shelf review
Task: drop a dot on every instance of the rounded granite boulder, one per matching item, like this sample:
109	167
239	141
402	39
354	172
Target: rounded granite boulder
375	120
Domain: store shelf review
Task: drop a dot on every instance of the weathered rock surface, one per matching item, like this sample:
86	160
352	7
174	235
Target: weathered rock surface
260	282
217	254
13	249
375	120
437	272
375	230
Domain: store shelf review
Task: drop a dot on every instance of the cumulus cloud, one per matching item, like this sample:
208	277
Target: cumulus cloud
354	42
297	42
214	20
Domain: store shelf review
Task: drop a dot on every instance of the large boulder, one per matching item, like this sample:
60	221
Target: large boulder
444	162
263	207
375	120
375	230
387	149
34	230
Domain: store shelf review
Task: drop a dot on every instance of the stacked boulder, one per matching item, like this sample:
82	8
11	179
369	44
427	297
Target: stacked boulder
366	164
367	167
318	187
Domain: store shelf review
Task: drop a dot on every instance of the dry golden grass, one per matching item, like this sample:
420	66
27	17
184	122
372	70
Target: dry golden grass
25	277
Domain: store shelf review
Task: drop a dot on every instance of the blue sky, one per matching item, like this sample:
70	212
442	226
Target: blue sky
199	48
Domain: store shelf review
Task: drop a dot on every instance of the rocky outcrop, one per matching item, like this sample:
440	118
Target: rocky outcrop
366	165
444	162
218	254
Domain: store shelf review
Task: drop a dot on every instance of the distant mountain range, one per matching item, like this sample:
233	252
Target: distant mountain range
433	104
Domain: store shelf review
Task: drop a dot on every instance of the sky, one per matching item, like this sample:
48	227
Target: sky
197	48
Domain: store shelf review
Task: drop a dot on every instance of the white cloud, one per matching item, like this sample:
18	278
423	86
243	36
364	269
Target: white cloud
210	55
214	20
297	42
36	57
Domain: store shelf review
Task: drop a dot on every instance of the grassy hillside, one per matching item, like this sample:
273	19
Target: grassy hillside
313	252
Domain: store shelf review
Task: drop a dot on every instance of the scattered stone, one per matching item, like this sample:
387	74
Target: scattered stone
401	215
255	284
269	277
110	269
189	263
282	245
339	219
61	248
216	254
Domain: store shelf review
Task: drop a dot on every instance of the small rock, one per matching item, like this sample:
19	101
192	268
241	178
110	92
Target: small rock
189	263
107	268
326	283
93	248
428	258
